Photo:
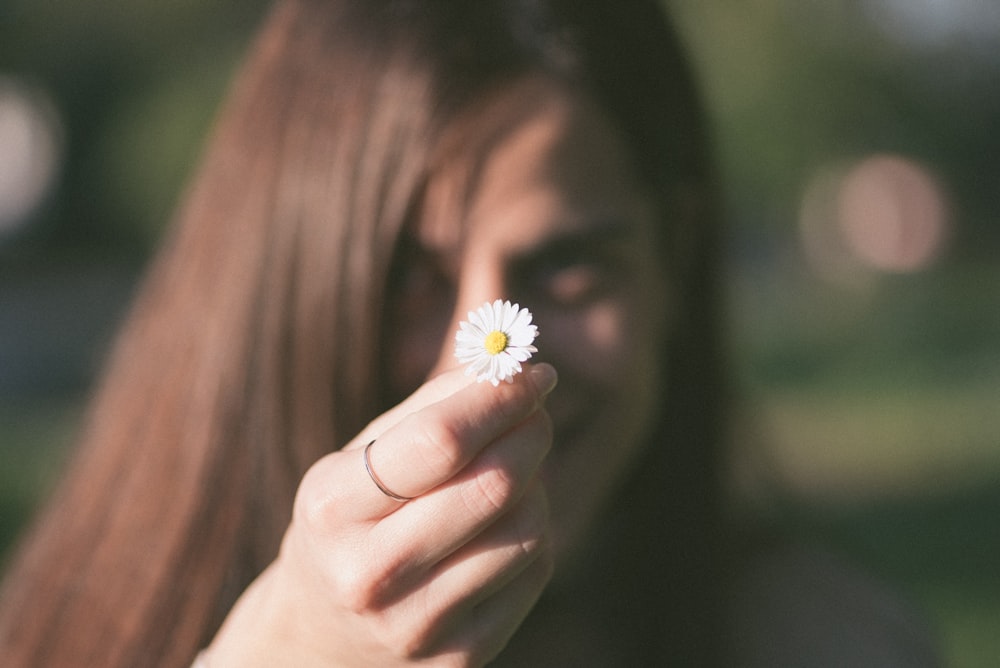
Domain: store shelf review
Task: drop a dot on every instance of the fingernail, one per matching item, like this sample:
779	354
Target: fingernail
544	377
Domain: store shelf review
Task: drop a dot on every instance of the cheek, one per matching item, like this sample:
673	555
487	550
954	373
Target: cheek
608	359
609	343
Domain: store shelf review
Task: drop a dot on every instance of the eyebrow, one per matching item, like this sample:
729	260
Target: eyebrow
605	231
571	242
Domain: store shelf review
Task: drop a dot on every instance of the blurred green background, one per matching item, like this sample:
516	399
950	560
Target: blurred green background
859	145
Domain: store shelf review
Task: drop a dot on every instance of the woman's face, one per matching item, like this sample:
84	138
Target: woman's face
552	218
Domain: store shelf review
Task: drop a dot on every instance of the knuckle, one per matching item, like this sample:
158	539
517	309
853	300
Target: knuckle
440	445
315	506
491	493
407	641
412	647
365	583
358	590
456	660
513	401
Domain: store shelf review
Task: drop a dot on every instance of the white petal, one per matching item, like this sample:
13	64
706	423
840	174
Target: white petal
490	371
470	340
477	323
519	354
522	337
496	315
509	316
514	367
522	318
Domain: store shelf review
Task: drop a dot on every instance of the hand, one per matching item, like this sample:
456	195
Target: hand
442	579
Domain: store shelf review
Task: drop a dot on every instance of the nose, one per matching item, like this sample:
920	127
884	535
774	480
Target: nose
479	281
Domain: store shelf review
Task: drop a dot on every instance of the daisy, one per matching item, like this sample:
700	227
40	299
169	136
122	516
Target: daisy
495	340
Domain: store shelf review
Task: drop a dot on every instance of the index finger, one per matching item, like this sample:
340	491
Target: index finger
435	390
434	441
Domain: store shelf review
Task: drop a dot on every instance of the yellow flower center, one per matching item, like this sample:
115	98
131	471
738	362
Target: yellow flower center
496	343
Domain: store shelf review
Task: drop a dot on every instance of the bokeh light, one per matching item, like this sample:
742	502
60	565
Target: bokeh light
892	213
30	150
883	213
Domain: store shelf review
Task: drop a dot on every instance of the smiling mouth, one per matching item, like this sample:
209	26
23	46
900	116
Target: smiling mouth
570	425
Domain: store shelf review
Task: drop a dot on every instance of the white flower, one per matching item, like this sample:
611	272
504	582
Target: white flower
495	340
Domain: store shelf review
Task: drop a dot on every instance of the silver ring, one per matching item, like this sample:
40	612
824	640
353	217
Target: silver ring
378	483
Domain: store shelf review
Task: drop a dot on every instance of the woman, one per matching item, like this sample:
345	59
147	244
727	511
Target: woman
283	463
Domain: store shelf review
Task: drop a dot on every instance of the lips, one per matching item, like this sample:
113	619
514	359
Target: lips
572	422
565	432
573	412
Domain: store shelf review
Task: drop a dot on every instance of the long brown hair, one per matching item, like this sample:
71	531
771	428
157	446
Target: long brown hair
252	348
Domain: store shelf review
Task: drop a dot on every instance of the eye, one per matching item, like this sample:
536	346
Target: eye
570	279
577	283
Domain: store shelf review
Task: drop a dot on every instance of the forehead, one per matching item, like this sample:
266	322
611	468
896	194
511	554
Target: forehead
540	159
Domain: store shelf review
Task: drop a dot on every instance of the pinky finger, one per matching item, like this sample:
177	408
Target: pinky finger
489	625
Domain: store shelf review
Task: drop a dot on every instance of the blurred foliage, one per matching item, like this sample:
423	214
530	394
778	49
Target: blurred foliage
136	85
792	86
795	85
876	399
